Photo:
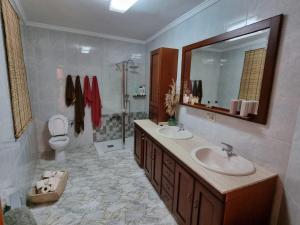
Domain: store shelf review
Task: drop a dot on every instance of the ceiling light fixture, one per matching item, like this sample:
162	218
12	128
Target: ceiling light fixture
85	49
121	6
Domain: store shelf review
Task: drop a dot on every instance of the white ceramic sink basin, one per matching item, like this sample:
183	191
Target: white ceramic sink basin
213	158
174	132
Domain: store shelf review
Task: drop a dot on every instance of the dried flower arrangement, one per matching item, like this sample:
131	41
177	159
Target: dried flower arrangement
172	99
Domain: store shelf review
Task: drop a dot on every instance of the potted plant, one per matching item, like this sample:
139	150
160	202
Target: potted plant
171	103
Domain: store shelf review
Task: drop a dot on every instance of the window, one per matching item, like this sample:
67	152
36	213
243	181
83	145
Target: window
16	68
252	74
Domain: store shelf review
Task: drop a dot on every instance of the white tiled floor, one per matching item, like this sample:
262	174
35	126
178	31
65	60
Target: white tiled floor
105	188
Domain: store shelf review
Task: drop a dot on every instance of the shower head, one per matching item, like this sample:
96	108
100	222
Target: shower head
132	64
129	64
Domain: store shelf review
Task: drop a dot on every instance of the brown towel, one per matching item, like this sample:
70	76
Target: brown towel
70	91
200	91
79	107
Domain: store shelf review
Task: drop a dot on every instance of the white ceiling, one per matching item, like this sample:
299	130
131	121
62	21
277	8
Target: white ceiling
143	20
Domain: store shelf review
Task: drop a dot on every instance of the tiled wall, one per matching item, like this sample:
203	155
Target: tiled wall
268	145
112	126
17	157
48	49
292	181
17	164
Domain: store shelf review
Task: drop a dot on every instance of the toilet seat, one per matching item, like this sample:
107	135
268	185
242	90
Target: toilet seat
58	125
58	128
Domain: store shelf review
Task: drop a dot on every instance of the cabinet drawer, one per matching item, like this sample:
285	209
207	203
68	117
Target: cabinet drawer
167	199
167	186
169	175
169	162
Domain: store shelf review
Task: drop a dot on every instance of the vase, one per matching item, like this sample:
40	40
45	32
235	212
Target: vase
172	121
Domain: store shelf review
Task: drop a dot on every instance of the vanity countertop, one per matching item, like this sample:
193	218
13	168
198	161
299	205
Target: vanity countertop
182	148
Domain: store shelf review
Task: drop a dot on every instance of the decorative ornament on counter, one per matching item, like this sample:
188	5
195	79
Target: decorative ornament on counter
171	103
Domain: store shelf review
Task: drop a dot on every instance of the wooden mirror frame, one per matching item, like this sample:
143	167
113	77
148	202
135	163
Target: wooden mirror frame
274	24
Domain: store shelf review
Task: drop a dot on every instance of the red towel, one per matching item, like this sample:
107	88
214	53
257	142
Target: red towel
96	104
87	92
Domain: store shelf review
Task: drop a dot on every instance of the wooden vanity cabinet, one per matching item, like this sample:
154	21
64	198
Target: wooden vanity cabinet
156	167
148	157
193	201
163	68
153	163
183	196
139	147
207	209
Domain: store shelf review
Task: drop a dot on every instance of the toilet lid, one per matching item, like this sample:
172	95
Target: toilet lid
58	125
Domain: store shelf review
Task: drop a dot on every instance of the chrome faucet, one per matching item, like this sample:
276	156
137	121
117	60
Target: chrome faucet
228	149
181	127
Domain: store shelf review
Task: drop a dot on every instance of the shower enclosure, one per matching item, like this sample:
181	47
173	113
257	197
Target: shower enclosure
125	67
121	105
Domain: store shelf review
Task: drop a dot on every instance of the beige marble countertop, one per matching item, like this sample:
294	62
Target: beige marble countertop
182	148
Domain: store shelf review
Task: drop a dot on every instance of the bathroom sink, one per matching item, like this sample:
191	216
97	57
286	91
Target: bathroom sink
213	158
174	132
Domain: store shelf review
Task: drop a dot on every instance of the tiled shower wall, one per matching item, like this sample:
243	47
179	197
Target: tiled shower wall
112	126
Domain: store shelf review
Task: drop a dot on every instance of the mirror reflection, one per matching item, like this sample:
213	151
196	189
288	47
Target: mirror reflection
223	74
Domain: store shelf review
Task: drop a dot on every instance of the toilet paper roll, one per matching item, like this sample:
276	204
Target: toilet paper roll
254	107
45	189
40	184
53	183
53	180
245	108
234	107
46	181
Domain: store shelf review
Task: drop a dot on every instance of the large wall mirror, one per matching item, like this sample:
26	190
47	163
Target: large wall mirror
232	73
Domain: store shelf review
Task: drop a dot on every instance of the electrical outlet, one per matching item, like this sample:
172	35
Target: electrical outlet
211	116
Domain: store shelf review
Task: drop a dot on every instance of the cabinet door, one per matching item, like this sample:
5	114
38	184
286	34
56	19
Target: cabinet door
183	196
154	80
139	146
148	157
207	209
153	113
156	167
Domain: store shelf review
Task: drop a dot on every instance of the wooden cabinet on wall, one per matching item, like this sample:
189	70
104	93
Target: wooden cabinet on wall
163	69
193	201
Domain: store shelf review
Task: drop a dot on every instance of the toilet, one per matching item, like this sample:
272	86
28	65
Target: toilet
58	128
